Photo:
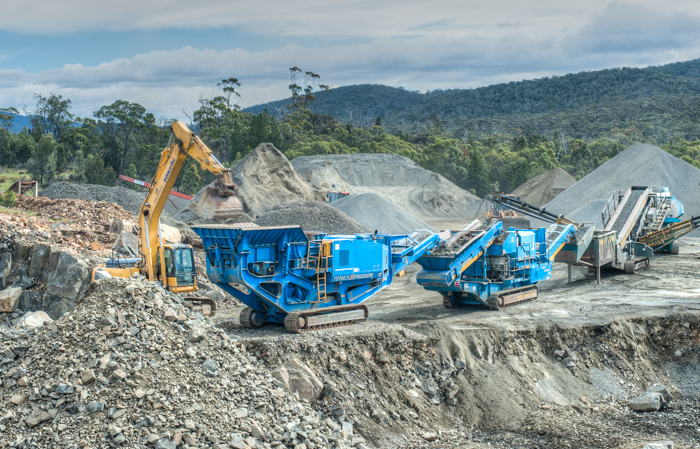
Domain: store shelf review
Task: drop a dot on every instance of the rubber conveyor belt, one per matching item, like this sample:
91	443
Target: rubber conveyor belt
626	210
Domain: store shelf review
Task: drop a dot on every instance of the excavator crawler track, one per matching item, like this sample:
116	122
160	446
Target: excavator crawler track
325	318
511	297
208	305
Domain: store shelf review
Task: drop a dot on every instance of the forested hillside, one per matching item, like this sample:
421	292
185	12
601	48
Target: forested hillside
659	101
492	138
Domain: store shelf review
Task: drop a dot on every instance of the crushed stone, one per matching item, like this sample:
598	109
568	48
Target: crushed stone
420	192
544	188
378	213
312	216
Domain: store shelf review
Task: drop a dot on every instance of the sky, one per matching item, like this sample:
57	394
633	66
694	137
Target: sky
168	54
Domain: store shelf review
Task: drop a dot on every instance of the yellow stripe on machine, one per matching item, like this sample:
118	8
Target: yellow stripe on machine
468	263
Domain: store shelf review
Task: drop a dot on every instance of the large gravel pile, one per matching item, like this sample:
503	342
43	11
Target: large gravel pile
126	198
639	165
378	213
312	216
265	178
417	191
544	188
132	367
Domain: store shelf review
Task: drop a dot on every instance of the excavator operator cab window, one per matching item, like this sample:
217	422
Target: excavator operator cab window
184	266
169	267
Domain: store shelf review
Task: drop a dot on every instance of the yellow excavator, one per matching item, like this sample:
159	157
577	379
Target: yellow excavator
173	264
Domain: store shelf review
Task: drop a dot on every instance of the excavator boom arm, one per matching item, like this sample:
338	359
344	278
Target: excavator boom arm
221	198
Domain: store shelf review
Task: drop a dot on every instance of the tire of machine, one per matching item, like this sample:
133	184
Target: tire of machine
673	248
629	266
494	302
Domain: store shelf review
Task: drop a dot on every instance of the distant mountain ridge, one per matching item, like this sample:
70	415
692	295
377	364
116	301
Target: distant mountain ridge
20	122
581	105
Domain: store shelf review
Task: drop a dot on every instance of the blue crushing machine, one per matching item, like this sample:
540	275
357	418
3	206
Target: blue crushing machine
306	281
493	266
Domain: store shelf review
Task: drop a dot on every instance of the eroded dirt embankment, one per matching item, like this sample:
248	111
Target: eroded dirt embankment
552	386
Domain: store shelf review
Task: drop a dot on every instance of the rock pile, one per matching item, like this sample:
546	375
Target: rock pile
639	165
544	188
126	198
132	366
89	214
377	212
265	179
312	216
418	191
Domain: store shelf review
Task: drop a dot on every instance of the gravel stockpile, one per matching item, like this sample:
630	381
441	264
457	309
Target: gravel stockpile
126	198
265	178
312	216
544	188
639	165
418	191
378	213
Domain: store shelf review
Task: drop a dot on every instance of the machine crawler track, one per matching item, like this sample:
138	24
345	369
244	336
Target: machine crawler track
325	318
509	298
207	305
251	318
635	266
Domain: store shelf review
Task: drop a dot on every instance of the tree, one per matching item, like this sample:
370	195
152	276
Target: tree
79	166
94	170
7	116
42	165
191	180
122	125
51	115
131	173
229	88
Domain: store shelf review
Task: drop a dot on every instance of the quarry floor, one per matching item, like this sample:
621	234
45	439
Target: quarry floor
515	392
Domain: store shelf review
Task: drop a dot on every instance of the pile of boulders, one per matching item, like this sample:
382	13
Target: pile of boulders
133	366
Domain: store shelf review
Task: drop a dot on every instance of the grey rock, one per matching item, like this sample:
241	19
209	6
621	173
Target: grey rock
5	267
647	402
659	388
197	334
298	377
659	445
75	409
165	443
65	389
95	407
428	389
120	438
26	282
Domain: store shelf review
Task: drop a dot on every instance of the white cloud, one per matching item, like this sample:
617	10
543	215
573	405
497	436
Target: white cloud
166	82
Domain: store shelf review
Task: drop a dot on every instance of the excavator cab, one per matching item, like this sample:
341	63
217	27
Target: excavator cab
178	270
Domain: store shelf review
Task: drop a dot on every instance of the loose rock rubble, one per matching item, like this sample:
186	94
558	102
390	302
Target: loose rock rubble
126	198
116	372
89	214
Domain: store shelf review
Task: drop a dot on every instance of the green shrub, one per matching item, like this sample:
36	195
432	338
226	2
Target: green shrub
9	199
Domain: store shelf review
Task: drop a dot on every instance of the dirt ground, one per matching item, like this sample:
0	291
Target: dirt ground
557	372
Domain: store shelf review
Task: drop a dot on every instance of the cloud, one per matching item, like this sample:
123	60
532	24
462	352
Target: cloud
166	82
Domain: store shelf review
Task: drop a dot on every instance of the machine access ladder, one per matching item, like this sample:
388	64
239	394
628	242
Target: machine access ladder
318	261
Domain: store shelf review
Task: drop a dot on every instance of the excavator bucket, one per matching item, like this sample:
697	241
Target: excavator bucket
219	200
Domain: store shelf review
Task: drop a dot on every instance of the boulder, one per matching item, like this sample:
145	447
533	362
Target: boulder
647	402
170	234
298	377
5	267
128	243
118	226
34	319
9	299
39	260
67	278
22	249
661	389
